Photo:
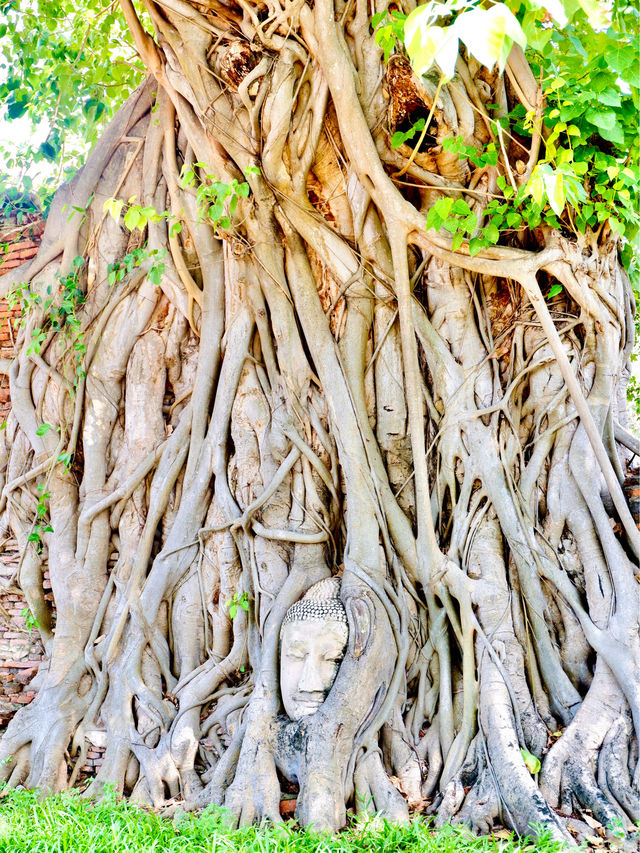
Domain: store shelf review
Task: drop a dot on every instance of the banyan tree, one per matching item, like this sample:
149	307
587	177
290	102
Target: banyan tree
270	373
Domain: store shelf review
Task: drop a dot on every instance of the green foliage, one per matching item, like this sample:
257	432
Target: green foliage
389	29
216	200
237	601
137	215
68	823
633	398
40	525
488	157
118	269
588	173
30	620
54	56
16	203
505	215
60	310
487	33
592	88
65	459
400	137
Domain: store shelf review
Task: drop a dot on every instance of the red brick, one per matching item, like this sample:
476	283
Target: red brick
23	698
24	255
23	244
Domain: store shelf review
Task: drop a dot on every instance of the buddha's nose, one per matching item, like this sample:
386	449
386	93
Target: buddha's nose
311	680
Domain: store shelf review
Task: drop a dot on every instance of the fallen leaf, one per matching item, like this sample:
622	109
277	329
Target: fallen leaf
502	833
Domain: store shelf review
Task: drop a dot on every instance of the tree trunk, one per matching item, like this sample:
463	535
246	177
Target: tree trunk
319	387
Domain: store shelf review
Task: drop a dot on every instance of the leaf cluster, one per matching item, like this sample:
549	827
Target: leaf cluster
217	201
67	66
237	601
117	270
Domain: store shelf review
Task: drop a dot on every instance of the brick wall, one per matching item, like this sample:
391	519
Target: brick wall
17	245
21	649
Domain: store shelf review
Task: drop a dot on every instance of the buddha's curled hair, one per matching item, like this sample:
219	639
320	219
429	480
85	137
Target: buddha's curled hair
321	601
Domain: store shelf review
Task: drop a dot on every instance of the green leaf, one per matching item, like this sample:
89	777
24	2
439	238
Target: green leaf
554	290
460	207
43	429
491	233
113	207
476	244
536	188
429	45
400	137
438	213
610	97
457	241
490	33
155	274
532	763
603	119
132	218
554	185
65	459
616	226
17	109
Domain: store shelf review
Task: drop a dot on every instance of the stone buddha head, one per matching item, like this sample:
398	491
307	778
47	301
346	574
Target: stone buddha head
313	640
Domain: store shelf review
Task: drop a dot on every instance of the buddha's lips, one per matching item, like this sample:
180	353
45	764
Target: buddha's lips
309	702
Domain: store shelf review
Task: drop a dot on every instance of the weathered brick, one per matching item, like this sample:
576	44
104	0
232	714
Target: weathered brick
23	698
23	244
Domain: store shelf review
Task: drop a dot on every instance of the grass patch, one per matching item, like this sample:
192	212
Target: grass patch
73	825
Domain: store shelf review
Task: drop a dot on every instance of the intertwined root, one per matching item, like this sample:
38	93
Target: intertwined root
322	388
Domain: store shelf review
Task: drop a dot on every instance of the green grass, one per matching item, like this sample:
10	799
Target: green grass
67	823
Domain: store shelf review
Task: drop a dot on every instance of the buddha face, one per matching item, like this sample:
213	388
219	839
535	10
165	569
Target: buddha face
311	653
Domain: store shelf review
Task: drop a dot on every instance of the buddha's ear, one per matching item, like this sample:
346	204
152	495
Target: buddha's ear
361	617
